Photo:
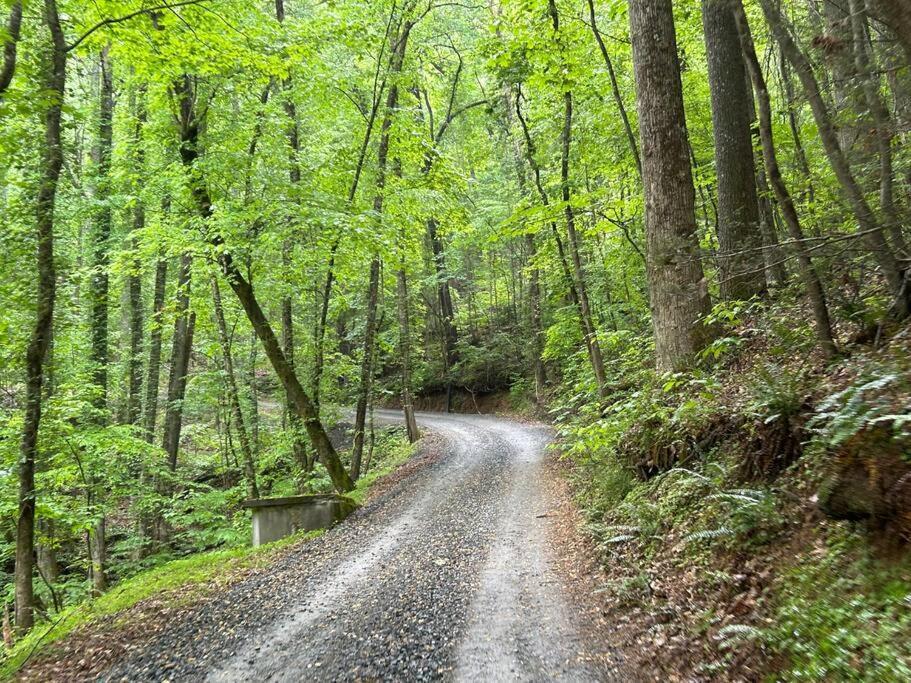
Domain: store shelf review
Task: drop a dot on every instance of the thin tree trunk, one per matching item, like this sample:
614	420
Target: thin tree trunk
870	229
233	395
447	312
153	370
189	122
588	325
360	411
405	353
397	59
805	266
678	290
181	345
615	90
100	289
134	282
100	283
883	126
292	133
742	275
13	27
800	154
896	14
41	333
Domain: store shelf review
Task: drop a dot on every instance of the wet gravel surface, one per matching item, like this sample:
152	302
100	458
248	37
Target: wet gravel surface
446	576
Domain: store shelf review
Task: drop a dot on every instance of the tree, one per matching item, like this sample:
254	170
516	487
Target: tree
41	333
741	275
678	289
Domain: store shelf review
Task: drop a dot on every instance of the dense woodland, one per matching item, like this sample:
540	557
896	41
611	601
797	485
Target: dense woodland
232	227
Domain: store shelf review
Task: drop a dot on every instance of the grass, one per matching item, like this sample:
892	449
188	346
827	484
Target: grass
194	576
185	580
397	452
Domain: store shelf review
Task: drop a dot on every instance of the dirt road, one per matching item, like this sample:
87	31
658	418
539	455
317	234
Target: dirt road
447	575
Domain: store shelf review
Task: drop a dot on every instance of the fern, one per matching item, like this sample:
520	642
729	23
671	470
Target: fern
709	534
737	634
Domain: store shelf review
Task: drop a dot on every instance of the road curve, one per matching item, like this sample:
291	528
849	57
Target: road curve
446	576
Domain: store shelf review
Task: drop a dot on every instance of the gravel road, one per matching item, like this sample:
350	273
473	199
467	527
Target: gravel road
448	575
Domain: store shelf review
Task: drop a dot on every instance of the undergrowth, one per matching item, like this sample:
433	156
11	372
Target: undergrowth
185	579
709	528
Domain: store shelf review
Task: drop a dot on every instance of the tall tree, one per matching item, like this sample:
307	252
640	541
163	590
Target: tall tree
870	229
55	87
190	120
181	347
396	62
678	290
806	268
742	272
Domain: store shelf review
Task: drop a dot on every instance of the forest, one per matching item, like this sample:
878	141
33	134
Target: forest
234	232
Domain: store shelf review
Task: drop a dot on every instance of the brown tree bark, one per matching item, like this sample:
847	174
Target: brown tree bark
411	423
181	346
100	281
896	14
807	270
134	277
233	394
52	163
100	288
678	289
742	275
396	61
870	230
882	125
13	28
366	378
153	369
585	312
189	121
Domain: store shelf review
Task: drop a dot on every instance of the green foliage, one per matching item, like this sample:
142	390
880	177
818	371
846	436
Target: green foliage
842	615
180	580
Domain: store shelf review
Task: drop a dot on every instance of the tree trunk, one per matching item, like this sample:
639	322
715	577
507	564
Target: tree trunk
360	411
545	201
447	312
181	345
153	371
98	548
588	324
233	395
896	14
805	266
13	27
292	133
615	89
41	333
742	272
396	60
189	123
100	283
134	283
882	125
870	229
405	352
678	290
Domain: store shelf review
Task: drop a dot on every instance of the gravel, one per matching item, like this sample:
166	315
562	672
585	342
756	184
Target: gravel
448	575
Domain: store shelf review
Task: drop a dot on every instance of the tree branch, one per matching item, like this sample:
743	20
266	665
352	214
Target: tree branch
126	17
